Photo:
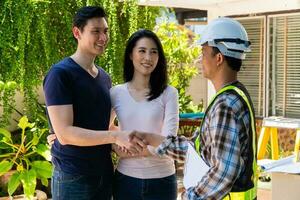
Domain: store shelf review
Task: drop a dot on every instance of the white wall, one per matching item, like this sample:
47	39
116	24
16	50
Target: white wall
19	97
198	89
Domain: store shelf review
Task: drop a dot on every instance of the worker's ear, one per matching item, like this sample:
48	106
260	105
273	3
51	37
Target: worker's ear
220	59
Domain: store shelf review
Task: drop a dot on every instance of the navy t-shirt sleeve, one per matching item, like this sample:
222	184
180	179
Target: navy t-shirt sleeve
57	87
108	80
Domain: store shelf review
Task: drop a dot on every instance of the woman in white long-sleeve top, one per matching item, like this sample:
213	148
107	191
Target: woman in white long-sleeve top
145	103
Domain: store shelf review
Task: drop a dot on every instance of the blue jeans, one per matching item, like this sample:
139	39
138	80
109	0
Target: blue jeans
130	188
66	186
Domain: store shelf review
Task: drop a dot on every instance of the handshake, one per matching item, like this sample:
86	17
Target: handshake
135	142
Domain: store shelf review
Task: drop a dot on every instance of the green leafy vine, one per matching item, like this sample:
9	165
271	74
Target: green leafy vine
35	34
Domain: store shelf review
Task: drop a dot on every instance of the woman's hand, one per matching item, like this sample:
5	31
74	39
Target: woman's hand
122	152
51	138
114	128
184	195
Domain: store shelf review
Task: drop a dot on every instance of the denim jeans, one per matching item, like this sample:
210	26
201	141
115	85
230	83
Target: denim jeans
80	187
130	188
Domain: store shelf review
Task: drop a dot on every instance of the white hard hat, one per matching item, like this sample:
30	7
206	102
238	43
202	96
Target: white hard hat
228	35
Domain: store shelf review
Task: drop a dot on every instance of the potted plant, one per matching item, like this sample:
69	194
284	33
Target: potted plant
26	153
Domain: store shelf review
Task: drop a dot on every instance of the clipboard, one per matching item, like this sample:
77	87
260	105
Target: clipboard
194	168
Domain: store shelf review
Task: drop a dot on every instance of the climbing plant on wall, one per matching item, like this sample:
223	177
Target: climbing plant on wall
34	34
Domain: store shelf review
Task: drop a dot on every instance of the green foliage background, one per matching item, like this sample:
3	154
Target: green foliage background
34	34
181	50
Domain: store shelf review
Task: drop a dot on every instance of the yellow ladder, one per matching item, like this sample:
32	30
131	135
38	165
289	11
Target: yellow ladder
297	145
263	140
269	130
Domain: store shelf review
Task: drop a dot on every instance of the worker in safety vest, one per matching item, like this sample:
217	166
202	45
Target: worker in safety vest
227	138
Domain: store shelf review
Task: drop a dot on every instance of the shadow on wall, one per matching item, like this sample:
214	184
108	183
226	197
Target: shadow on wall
20	106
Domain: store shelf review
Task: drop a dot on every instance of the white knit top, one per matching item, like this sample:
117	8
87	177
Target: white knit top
158	116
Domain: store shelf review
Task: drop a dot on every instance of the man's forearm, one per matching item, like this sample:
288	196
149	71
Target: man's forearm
84	137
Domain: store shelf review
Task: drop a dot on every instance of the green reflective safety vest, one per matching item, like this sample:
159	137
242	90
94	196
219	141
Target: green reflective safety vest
251	193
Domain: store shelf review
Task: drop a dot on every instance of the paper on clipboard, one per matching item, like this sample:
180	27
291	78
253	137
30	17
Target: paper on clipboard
194	168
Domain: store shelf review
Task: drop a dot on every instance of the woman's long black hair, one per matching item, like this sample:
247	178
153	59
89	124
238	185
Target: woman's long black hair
158	78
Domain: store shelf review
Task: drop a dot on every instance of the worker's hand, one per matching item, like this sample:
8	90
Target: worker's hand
51	138
139	140
133	145
138	137
147	138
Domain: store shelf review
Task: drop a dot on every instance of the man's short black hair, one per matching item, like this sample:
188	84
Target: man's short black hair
234	63
85	13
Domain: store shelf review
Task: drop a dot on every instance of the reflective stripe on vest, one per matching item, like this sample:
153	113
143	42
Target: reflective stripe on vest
251	193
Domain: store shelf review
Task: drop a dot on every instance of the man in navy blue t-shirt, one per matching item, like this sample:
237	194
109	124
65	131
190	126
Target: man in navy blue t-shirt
78	108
